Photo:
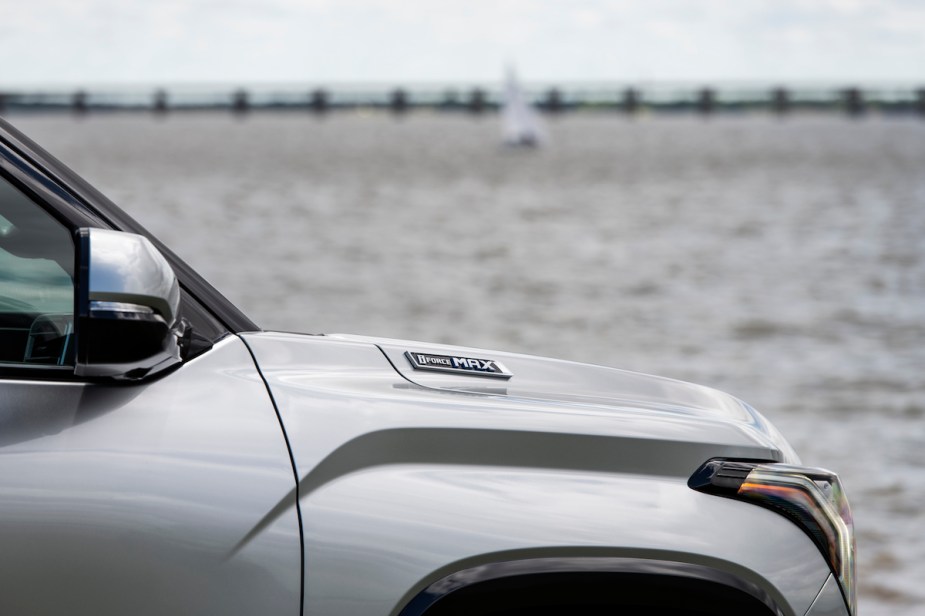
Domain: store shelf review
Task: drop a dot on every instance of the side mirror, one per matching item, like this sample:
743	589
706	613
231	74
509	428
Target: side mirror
127	307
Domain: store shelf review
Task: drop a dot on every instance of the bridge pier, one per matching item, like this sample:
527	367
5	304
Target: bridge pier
398	101
706	101
159	104
630	102
853	100
553	102
318	101
477	102
780	101
79	103
240	102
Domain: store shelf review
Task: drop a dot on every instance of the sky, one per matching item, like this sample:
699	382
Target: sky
86	42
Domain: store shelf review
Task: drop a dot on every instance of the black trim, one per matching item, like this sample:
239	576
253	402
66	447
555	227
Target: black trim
82	273
24	176
38	372
592	586
81	289
72	199
722	476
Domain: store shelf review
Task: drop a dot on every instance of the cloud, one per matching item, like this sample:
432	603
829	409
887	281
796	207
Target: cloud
96	41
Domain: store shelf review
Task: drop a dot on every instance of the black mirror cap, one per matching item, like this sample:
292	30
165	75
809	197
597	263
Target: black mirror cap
126	307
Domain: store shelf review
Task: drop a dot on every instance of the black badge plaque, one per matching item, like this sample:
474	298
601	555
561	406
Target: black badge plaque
457	364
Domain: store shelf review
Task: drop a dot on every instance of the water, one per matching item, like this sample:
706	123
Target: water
780	261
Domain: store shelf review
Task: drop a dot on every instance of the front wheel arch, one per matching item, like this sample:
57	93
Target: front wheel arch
591	587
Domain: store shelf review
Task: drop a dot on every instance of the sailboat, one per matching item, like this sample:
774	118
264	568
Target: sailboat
520	123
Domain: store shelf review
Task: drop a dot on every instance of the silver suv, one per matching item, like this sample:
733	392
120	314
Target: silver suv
160	454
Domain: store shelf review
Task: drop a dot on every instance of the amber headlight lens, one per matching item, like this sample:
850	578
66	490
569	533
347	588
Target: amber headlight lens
812	497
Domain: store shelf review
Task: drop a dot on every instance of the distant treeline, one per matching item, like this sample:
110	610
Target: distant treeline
854	101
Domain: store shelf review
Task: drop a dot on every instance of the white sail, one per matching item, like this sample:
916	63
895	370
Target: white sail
520	123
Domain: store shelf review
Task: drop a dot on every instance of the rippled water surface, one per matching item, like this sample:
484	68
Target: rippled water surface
780	261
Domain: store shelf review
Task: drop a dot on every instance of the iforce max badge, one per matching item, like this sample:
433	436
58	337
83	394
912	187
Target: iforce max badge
459	365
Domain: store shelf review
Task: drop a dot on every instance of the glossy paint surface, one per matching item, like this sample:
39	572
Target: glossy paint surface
715	415
402	484
144	499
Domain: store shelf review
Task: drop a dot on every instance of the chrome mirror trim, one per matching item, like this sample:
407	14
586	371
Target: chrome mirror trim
128	304
126	268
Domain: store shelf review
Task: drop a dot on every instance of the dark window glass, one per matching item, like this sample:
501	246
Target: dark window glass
36	283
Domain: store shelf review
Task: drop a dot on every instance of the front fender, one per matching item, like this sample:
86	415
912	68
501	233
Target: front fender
402	485
378	537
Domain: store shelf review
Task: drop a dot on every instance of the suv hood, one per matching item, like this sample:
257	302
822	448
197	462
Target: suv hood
351	402
584	389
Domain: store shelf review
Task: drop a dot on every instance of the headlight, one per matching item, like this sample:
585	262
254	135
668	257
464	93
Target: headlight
812	497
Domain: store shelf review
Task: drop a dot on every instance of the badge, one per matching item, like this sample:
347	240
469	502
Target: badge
457	364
